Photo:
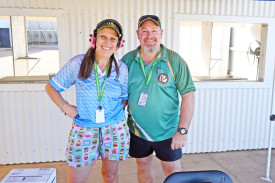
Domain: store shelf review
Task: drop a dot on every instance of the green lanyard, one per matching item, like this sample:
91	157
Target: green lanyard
142	66
100	92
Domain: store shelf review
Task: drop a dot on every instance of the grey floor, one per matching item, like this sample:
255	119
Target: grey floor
242	166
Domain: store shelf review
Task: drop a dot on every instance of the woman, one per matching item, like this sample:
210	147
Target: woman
99	128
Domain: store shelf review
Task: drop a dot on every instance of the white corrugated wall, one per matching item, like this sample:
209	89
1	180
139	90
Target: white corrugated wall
229	119
34	130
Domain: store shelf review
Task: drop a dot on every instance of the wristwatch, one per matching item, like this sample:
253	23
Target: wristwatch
182	131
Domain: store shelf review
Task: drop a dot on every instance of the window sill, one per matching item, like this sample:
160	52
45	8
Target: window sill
24	79
221	78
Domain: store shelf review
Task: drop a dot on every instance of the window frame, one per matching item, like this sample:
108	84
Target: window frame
269	55
60	18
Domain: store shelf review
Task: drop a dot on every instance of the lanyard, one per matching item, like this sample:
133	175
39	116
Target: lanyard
150	74
100	92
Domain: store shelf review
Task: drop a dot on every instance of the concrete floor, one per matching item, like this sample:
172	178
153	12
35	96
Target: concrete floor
241	166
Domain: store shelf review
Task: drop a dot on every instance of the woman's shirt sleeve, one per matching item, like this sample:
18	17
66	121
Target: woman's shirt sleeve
67	76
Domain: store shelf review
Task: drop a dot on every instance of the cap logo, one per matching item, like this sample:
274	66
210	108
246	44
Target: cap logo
111	24
163	78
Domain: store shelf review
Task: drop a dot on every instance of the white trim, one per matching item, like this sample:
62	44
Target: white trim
31	12
58	84
230	84
22	87
144	133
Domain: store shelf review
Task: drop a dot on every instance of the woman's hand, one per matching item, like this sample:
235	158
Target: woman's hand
70	110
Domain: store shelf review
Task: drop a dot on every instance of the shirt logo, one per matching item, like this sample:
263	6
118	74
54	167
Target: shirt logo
163	78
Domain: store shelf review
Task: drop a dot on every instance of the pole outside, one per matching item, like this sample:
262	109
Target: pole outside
272	120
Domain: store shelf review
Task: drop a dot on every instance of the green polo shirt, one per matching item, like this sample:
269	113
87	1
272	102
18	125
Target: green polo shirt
158	120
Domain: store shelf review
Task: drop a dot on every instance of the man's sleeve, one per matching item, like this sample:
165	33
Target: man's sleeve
184	82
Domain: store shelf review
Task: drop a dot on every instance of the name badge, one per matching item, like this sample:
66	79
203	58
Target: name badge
100	118
143	99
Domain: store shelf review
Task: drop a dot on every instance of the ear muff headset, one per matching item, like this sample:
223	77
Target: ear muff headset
120	39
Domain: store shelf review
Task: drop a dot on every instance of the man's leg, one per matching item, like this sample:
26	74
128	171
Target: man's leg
170	167
145	169
170	159
143	152
109	171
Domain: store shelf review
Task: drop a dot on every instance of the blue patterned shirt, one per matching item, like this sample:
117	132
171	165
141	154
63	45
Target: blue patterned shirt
86	94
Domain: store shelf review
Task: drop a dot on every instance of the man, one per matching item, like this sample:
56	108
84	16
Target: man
156	75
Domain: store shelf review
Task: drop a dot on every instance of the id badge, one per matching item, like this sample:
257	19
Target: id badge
143	99
100	118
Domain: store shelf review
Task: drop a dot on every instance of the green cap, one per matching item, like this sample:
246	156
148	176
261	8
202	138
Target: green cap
111	24
145	18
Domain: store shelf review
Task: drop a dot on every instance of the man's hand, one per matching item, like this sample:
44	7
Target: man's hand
70	110
178	141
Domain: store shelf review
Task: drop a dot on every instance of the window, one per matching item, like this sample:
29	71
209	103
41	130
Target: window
6	60
42	45
222	50
28	48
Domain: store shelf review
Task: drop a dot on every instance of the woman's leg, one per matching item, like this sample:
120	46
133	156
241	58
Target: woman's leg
109	171
79	174
114	148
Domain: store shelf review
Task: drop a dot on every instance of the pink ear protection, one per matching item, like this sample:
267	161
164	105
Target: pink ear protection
92	40
119	44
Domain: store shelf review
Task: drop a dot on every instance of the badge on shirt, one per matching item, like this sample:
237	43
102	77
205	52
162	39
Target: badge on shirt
143	99
100	118
163	78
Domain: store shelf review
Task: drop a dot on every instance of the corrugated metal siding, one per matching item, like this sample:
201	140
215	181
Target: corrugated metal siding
229	119
225	119
34	130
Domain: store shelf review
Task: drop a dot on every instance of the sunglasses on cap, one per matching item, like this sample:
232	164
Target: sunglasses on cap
145	18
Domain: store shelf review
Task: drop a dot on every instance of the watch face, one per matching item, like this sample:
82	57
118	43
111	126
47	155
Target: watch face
183	131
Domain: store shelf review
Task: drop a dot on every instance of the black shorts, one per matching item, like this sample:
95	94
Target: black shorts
140	148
